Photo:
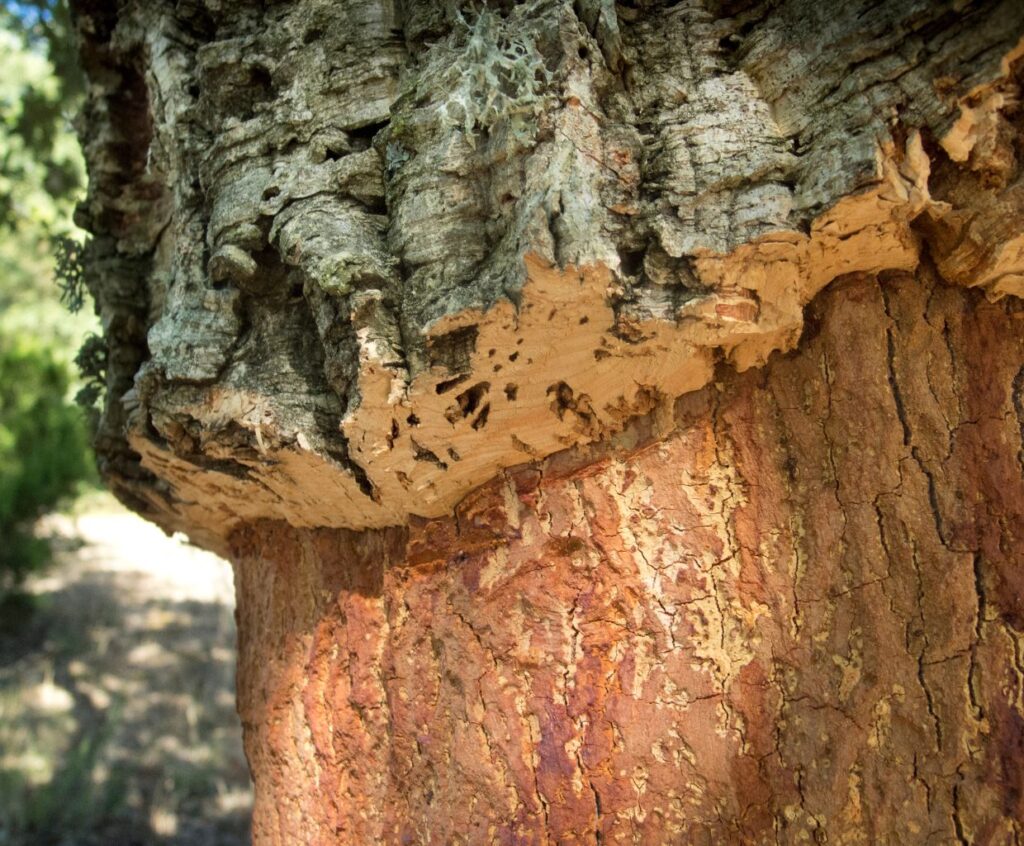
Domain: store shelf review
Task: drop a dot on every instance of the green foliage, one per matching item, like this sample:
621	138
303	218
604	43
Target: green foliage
92	366
43	449
42	173
43	442
41	170
37	101
69	272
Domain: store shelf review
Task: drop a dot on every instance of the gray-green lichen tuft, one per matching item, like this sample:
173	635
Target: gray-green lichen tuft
498	77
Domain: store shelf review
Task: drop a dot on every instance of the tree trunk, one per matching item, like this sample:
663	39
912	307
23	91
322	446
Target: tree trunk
614	412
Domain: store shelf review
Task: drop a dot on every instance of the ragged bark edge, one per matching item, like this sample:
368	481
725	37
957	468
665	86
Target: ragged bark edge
560	370
579	352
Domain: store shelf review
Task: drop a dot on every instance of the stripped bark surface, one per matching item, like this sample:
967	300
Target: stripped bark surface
613	410
799	618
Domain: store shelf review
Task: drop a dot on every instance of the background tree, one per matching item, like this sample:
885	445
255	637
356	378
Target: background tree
613	410
43	440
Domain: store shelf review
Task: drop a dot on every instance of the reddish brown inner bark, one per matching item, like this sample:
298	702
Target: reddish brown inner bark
798	616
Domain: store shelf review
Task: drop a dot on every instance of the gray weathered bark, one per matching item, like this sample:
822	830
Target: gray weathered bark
357	260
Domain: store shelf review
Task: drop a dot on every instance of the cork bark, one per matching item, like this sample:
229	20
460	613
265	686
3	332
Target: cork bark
613	411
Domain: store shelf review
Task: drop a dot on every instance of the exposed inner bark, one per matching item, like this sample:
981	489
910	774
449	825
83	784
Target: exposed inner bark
799	617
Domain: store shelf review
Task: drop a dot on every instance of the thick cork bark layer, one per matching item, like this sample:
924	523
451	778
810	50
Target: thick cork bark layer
354	260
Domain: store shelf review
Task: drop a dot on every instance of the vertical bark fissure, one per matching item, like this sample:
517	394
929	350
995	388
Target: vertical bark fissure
922	655
901	414
958	825
979	624
496	757
541	798
1017	392
826	421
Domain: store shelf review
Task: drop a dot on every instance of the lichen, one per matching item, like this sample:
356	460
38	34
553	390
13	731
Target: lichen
395	155
499	78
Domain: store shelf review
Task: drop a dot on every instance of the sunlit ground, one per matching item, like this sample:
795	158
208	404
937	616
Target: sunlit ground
117	720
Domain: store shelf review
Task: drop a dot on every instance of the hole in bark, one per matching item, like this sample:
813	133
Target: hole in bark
412	420
583	52
511	391
362	136
522	446
271	192
470	400
376	206
448	384
481	418
393	434
194	21
258	89
271	278
584	320
421	453
513	357
312	34
261	78
600	355
628	331
342	457
453	351
729	43
631	262
563	399
789	465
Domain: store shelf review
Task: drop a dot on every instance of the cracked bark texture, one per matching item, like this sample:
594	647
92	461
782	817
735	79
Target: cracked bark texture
798	618
614	411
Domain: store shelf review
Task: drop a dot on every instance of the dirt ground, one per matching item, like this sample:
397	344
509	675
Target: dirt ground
117	712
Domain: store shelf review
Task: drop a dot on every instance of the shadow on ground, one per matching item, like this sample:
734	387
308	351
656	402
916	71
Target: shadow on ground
117	713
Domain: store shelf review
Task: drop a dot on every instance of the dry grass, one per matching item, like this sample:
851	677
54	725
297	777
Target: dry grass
117	720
